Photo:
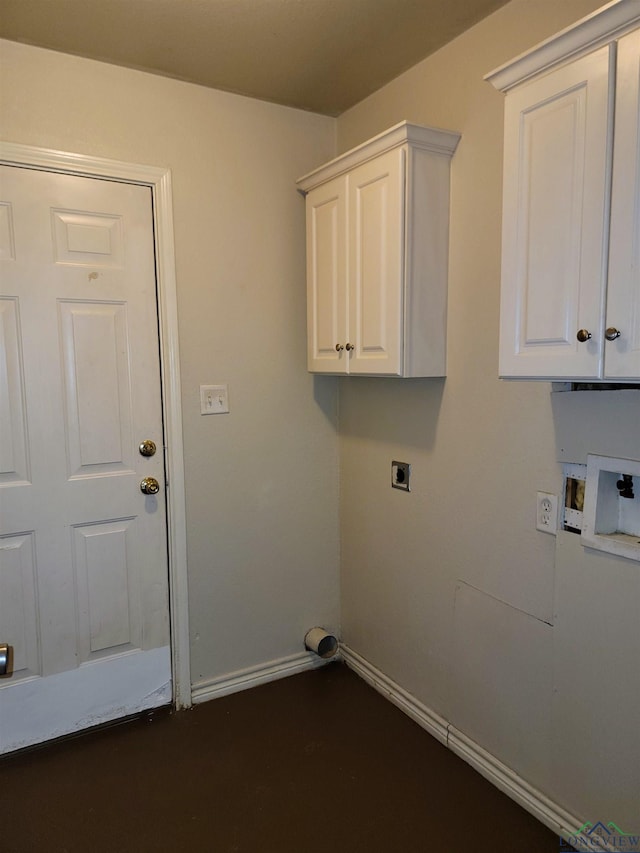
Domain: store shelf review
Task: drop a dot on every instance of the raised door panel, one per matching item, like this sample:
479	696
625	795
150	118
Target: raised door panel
622	355
14	462
19	603
326	277
376	290
98	408
107	590
7	244
554	214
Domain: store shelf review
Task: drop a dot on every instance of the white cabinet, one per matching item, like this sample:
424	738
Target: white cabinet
377	253
570	301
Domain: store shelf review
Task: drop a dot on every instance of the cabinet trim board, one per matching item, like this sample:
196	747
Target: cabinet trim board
431	139
426	254
601	27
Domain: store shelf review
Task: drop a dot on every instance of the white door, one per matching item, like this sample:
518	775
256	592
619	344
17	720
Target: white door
622	354
83	552
375	262
554	217
326	208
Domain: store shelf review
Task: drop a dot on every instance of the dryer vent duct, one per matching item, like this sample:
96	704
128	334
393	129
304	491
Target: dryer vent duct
321	642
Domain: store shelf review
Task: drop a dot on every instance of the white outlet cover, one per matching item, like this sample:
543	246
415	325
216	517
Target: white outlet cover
547	512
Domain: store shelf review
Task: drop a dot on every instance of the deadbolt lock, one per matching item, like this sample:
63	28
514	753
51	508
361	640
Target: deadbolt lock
147	447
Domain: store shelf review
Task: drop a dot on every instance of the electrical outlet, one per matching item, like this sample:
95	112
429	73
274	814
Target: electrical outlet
547	512
400	475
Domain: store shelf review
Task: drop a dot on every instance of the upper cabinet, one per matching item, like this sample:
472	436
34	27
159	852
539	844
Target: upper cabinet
377	253
570	302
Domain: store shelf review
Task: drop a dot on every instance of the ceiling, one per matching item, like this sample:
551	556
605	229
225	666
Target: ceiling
319	55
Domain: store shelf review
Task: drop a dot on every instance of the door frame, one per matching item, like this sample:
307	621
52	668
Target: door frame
158	179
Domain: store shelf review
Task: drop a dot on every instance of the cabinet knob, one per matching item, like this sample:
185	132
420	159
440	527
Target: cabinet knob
349	347
339	347
612	333
583	336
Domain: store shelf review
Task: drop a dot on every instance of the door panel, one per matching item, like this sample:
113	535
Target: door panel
107	590
376	205
97	408
91	239
18	604
83	556
326	277
622	355
7	251
14	467
556	137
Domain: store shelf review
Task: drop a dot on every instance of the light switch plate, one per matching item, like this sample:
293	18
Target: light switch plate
214	399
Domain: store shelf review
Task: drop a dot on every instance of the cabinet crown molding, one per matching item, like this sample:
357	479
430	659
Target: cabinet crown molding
602	26
428	138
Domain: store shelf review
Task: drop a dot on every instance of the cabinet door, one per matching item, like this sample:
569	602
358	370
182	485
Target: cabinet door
557	129
622	355
376	228
326	277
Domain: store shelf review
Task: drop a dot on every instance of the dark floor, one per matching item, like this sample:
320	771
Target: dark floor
316	762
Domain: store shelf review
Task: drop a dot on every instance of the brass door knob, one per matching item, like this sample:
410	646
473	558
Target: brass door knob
349	347
583	336
339	347
150	486
147	447
612	333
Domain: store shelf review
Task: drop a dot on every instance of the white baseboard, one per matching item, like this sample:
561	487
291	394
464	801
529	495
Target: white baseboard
425	717
243	679
557	819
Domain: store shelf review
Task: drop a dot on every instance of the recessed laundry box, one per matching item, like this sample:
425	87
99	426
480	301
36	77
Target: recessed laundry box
612	506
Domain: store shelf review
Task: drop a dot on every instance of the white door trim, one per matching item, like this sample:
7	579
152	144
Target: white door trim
158	179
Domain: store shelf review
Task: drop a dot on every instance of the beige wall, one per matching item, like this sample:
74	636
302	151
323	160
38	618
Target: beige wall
260	482
450	590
